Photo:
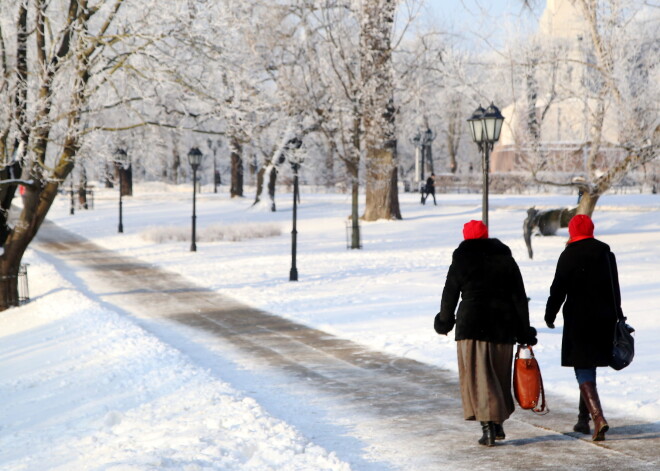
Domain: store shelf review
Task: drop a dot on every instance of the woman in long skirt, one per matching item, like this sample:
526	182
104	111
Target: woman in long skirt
492	317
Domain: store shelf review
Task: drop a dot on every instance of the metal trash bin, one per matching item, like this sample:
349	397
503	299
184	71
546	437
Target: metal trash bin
22	294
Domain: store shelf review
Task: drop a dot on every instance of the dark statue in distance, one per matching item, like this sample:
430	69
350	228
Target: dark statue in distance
546	222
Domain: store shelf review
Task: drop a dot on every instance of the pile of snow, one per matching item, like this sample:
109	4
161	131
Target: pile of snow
213	233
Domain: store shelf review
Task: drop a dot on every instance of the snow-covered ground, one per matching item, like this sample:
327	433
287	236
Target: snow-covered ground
87	388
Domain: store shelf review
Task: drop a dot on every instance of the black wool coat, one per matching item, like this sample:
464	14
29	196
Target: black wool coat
493	303
591	299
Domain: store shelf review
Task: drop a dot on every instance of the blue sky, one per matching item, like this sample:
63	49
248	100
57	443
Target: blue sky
492	19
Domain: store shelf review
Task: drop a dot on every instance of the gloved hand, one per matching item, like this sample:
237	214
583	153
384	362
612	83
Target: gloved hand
529	338
441	326
549	322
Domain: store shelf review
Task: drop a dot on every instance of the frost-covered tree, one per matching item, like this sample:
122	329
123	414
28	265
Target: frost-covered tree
59	60
378	109
609	70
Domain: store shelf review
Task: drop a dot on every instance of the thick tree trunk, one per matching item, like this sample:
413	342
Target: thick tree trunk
8	287
378	110
37	205
587	203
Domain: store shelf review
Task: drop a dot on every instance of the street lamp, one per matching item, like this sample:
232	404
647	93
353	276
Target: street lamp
427	157
296	158
72	211
417	142
485	126
195	158
122	161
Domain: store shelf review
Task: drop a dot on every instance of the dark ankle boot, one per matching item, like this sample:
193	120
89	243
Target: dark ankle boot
582	425
488	437
591	399
499	431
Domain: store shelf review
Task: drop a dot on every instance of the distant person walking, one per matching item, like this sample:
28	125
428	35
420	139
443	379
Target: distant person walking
492	316
429	189
587	284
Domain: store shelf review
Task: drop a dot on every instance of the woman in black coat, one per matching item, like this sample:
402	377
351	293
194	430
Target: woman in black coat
587	284
492	316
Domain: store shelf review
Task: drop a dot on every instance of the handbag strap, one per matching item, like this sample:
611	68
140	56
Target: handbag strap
617	310
542	408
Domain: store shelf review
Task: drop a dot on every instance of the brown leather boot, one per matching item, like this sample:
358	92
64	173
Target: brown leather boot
590	395
582	425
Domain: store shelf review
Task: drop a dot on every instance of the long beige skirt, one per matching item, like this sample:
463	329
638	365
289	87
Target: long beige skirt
484	371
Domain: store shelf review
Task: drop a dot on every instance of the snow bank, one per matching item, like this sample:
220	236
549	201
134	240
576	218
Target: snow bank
85	388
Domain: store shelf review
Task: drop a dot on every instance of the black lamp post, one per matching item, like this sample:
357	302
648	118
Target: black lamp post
485	126
295	159
72	211
195	158
427	157
121	161
419	152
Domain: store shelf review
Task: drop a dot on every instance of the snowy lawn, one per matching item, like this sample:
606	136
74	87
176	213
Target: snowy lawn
386	294
71	394
85	389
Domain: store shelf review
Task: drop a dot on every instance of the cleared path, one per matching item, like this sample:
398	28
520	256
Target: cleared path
398	413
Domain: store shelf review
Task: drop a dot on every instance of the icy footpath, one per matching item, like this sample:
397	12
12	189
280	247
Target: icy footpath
84	388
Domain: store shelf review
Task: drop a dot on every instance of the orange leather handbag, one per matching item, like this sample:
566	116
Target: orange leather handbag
527	381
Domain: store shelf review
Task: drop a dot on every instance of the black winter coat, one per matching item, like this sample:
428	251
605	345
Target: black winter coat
494	306
582	279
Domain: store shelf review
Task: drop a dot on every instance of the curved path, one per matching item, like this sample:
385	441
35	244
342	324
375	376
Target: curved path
393	413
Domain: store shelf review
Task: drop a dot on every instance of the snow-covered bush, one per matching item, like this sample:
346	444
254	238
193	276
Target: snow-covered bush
214	233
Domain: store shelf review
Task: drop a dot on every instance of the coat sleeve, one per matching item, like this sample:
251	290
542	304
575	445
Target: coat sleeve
446	318
615	282
558	291
525	333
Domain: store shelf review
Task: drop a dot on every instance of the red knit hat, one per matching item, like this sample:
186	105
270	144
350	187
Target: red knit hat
475	230
580	227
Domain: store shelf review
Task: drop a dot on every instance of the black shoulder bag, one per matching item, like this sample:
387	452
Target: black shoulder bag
623	348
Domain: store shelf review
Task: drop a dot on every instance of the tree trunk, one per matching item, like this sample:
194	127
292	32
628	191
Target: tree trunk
37	204
108	177
378	110
382	199
124	178
176	165
272	179
9	288
127	181
236	188
587	203
453	165
260	185
355	202
329	174
82	189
